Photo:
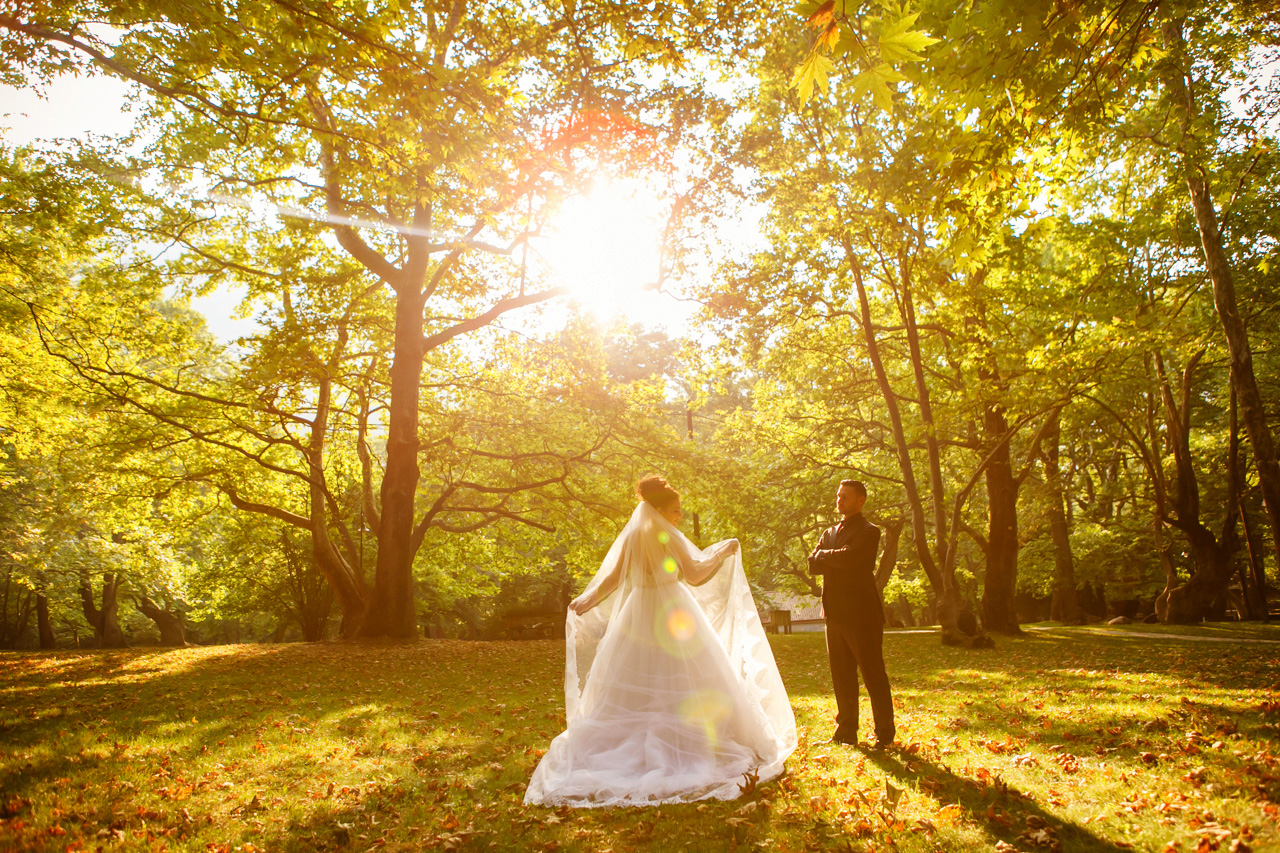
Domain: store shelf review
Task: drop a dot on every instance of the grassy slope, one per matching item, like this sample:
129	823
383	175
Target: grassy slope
1089	741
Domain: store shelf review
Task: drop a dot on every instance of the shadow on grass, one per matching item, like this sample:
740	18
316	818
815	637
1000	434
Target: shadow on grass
322	747
1006	812
179	744
1129	703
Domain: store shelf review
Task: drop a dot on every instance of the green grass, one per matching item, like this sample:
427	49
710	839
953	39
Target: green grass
1221	630
1064	739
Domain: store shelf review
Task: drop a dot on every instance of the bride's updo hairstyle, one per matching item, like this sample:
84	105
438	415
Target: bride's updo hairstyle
657	492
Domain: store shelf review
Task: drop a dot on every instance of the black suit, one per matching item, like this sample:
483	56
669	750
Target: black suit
846	558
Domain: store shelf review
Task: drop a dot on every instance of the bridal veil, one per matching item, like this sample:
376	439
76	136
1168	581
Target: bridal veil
672	693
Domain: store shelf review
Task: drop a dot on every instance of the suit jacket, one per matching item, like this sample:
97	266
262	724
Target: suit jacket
846	559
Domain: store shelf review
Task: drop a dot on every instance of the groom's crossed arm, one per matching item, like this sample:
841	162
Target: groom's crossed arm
817	555
856	556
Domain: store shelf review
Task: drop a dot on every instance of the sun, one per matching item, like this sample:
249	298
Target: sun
605	247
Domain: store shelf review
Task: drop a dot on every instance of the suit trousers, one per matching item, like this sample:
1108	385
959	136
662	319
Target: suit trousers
853	645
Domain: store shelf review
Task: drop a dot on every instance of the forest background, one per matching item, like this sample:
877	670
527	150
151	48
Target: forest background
1012	264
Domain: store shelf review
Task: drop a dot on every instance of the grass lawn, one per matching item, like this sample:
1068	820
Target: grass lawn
1064	739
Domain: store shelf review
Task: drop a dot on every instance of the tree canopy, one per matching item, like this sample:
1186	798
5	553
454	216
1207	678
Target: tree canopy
1013	269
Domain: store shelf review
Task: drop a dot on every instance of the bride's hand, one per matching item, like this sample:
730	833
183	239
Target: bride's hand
579	605
731	547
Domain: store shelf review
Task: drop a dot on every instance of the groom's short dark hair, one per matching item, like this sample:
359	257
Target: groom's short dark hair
857	485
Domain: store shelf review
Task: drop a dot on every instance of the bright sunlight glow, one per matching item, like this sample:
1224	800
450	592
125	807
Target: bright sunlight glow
605	247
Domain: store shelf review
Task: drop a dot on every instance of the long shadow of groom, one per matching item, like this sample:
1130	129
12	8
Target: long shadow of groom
1008	814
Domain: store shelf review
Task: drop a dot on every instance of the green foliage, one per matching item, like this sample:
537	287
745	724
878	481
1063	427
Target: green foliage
874	40
408	167
1003	177
1014	182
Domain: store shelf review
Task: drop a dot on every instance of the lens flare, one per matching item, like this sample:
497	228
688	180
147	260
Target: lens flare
680	625
706	710
663	537
669	566
676	630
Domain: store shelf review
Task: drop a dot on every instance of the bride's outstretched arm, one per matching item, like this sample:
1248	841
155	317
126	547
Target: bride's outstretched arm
591	597
699	572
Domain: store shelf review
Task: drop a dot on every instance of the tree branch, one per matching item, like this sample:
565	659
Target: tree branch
442	337
263	509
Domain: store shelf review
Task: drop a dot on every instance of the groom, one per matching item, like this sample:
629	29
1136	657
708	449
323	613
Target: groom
846	556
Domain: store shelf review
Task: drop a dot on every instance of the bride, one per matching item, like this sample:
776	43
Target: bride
671	690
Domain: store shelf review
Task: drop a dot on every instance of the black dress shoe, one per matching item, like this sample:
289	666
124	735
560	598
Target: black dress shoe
879	745
837	738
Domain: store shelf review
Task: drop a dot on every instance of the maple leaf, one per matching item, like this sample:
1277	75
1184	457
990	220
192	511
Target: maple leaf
950	812
823	15
815	69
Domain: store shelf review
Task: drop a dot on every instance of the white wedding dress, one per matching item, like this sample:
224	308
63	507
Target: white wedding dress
671	690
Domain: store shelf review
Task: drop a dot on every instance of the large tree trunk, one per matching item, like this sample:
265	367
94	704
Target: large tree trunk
172	632
391	611
45	625
1257	565
105	621
947	602
1204	596
1065	606
998	611
889	551
1243	381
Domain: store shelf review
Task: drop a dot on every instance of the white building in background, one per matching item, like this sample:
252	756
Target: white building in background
805	610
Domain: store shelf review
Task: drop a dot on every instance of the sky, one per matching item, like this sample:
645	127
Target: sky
606	251
73	108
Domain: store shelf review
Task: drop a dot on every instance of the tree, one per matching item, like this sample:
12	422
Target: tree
1147	81
1196	149
1101	80
407	135
1065	606
891	211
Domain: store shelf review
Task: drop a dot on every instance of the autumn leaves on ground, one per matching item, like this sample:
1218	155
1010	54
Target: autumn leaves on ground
1067	739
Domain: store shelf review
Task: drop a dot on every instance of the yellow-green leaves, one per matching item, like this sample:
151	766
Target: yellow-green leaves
875	82
816	68
899	43
872	46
